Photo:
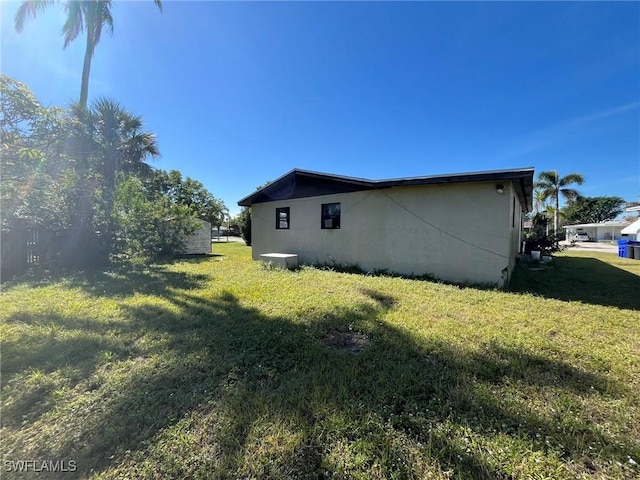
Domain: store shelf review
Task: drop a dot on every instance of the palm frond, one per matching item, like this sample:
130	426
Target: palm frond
28	11
130	122
549	177
547	193
571	178
103	107
99	14
106	17
74	23
569	194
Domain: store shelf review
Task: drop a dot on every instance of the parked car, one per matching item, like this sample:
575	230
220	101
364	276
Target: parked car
582	237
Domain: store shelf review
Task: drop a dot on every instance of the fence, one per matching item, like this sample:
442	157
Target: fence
20	248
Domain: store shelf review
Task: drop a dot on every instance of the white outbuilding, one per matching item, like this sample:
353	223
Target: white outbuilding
199	242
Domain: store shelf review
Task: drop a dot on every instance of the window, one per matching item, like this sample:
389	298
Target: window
330	215
282	218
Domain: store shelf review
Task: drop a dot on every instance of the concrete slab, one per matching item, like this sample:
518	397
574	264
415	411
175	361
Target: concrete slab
284	260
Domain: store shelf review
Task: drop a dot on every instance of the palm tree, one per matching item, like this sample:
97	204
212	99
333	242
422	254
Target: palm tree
552	186
116	144
90	14
539	200
106	140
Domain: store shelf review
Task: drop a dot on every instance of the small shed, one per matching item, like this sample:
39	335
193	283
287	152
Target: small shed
199	242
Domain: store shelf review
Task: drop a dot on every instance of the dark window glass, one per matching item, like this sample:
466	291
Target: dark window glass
282	218
330	215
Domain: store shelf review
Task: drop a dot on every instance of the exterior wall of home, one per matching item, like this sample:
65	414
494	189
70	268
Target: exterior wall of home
516	226
454	232
608	233
199	242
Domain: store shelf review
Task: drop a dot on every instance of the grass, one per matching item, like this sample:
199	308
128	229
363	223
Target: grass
220	368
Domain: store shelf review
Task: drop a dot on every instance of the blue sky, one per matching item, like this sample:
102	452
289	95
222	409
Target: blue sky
239	93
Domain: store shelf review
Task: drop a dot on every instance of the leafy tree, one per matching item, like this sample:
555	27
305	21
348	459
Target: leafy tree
21	112
38	180
244	219
92	15
189	193
79	179
47	187
148	224
153	214
593	209
538	238
553	186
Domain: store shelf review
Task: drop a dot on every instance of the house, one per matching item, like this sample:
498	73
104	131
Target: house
464	228
632	231
604	231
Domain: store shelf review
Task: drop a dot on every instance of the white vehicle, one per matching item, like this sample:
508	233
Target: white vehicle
582	237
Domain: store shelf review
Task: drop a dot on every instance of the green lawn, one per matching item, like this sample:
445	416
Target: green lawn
221	368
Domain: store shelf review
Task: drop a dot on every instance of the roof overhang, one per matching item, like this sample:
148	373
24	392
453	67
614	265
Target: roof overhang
304	183
597	225
632	229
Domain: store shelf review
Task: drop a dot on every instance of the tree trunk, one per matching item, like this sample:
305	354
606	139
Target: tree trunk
556	218
86	70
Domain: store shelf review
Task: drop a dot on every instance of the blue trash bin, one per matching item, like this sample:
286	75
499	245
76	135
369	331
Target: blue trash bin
622	247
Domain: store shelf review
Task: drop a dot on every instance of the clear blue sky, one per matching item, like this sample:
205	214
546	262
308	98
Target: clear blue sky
241	92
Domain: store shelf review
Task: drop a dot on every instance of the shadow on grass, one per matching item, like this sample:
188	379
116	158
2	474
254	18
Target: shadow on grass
121	280
237	369
586	280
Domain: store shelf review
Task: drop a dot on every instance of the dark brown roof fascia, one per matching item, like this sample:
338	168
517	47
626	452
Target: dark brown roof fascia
522	179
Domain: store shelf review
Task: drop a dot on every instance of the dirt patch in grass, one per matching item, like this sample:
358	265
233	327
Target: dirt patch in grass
352	342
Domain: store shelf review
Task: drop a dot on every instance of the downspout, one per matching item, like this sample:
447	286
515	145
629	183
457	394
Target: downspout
520	232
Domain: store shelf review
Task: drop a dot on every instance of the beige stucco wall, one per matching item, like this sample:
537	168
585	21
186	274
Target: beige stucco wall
457	232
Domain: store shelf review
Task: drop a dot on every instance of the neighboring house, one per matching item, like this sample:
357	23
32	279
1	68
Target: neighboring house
464	228
604	231
199	242
632	231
